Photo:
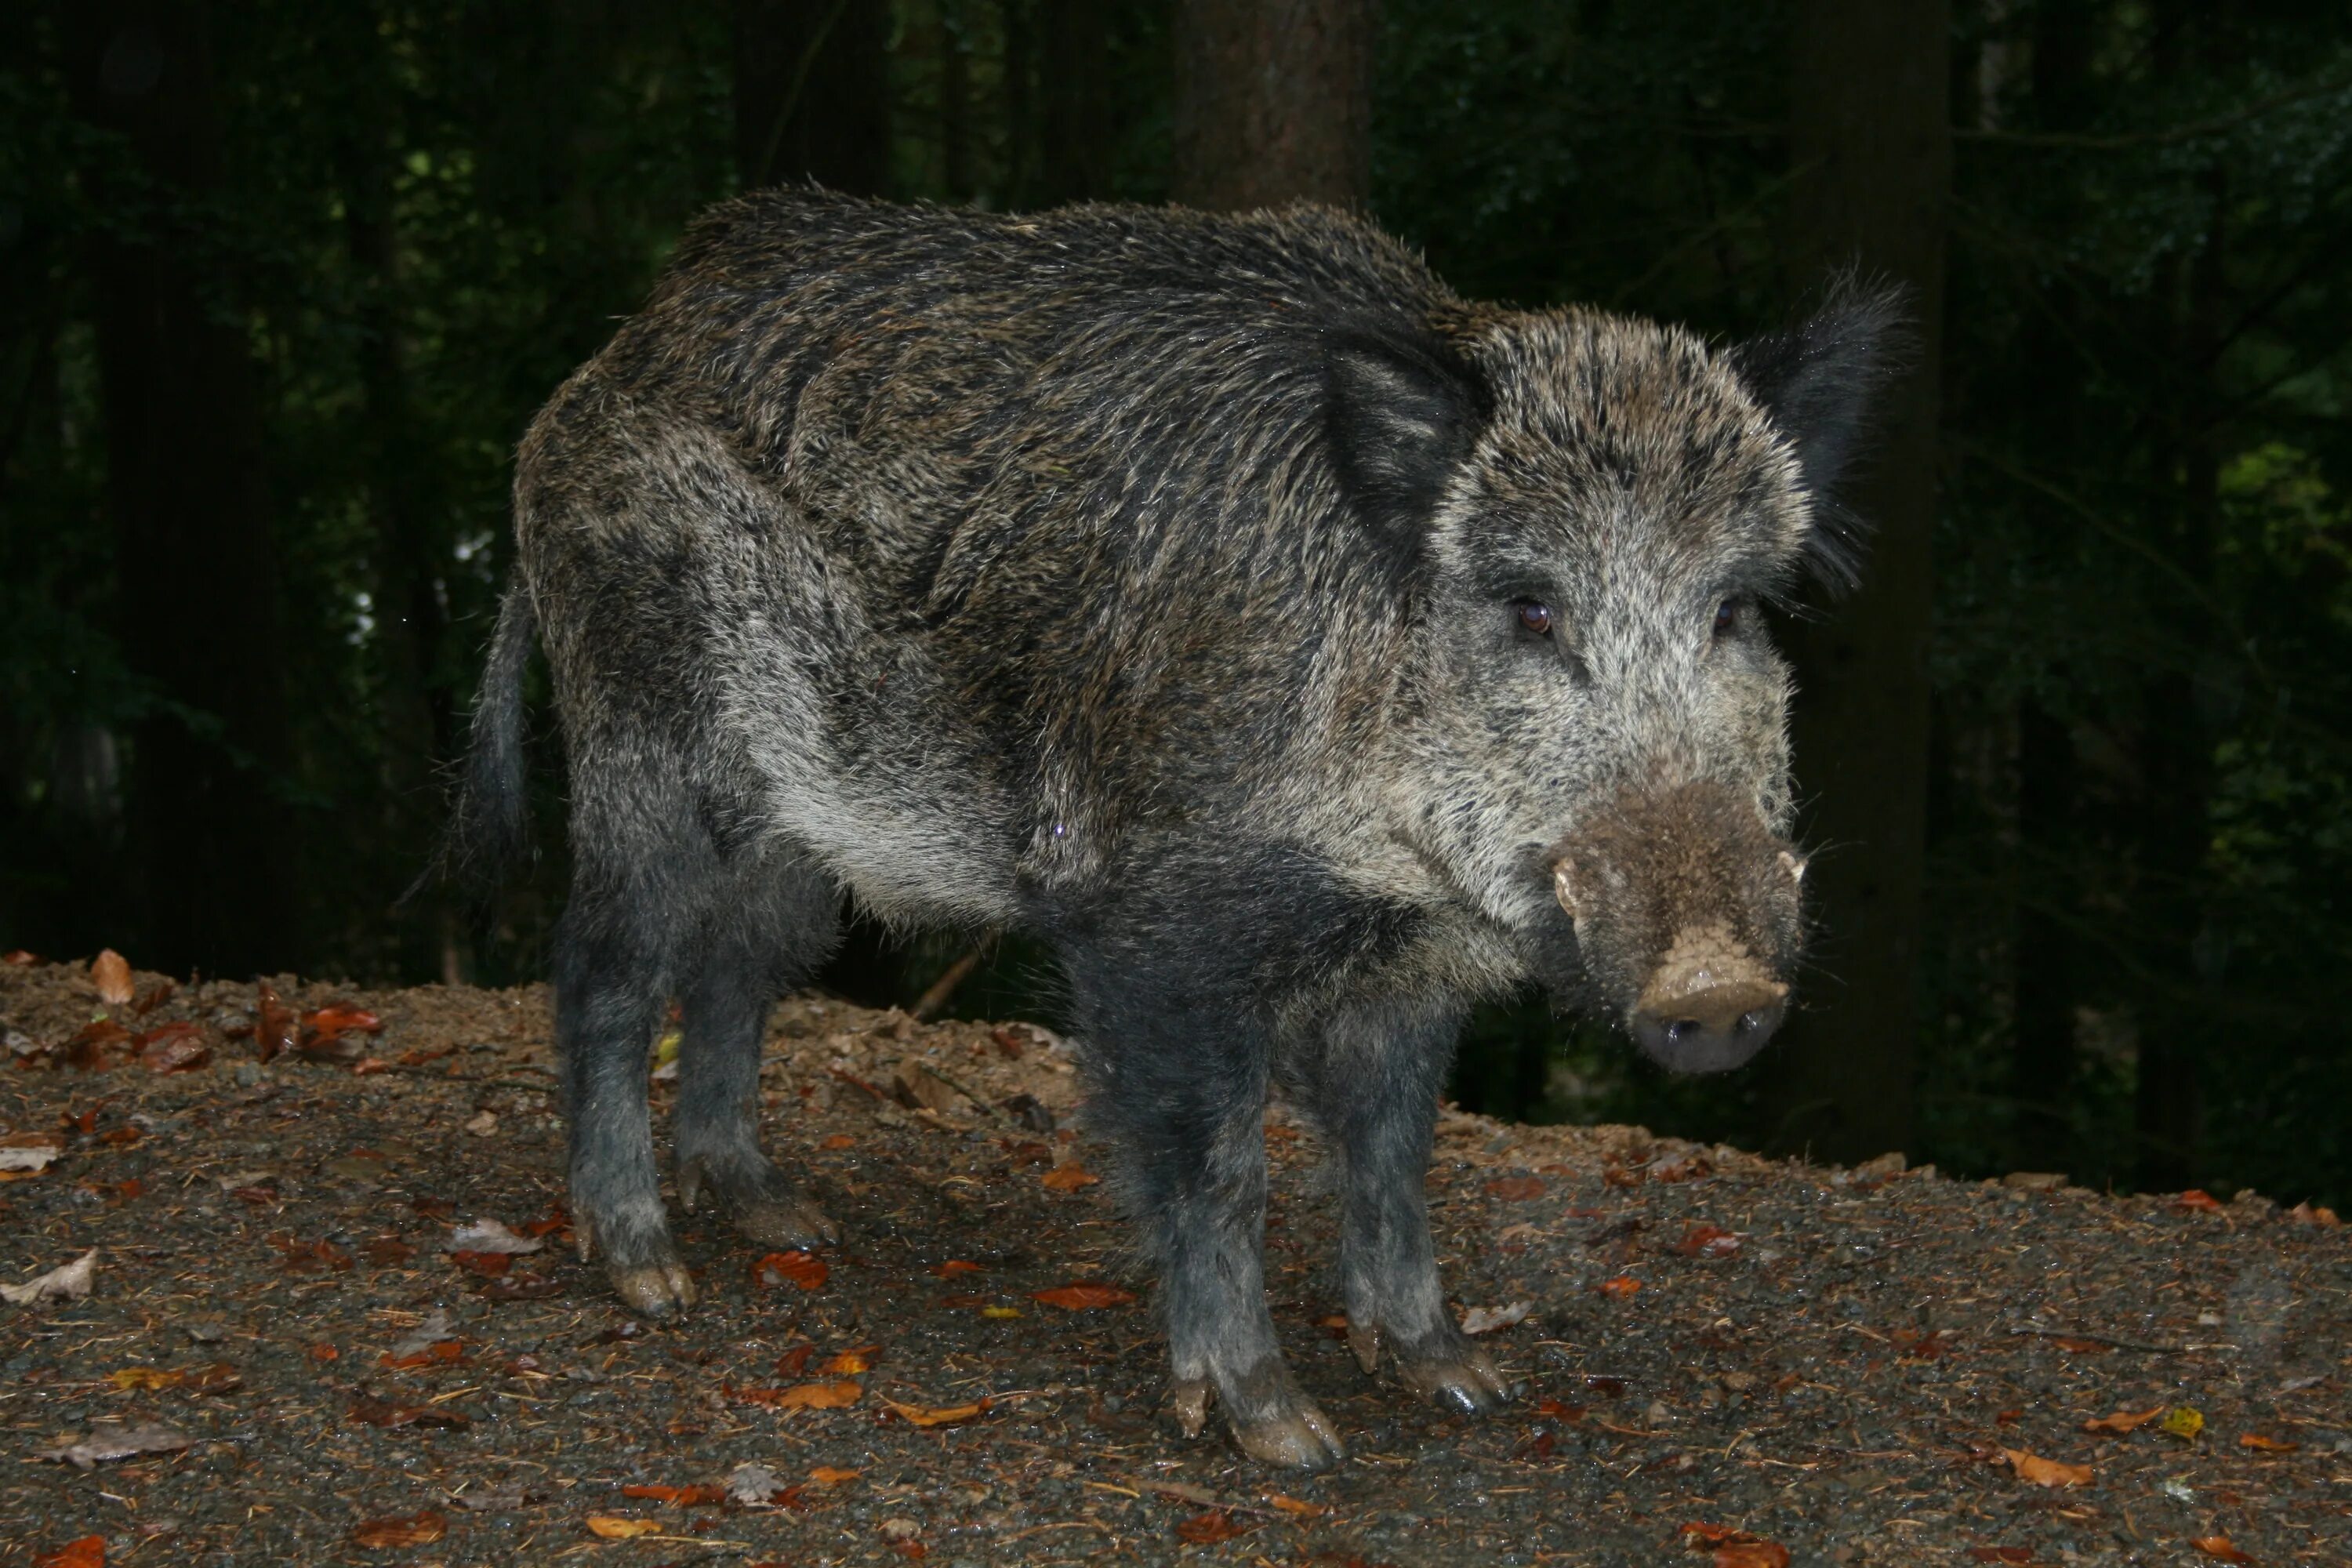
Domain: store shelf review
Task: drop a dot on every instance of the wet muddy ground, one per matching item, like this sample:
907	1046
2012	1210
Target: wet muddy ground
316	1350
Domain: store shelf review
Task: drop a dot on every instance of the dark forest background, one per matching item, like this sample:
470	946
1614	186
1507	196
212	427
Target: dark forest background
280	284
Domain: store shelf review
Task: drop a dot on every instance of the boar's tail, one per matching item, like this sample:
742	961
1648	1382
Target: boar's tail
486	829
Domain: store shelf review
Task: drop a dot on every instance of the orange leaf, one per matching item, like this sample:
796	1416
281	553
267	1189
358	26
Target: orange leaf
1752	1554
1081	1298
17	957
490	1264
955	1266
794	1361
924	1416
838	1141
803	1395
2305	1214
2199	1200
1069	1178
110	973
2219	1546
1207	1528
1516	1187
341	1019
89	1551
1707	1241
2073	1346
2261	1444
851	1362
826	1476
147	1377
440	1353
679	1497
613	1527
799	1268
2043	1472
1621	1286
1293	1506
414	1530
2124	1420
1698	1537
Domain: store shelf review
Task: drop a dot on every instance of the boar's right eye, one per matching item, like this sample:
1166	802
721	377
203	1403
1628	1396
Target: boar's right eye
1536	617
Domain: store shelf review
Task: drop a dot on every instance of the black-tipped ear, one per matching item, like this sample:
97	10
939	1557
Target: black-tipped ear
1819	381
1404	412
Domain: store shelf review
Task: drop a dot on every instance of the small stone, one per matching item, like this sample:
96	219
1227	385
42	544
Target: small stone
482	1123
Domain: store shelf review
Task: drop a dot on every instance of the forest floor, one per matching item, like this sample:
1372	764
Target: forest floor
287	1353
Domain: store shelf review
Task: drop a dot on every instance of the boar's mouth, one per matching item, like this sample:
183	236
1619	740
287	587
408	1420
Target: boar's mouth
1686	920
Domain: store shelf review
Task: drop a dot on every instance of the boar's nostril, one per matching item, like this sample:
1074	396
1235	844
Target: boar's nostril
1712	1030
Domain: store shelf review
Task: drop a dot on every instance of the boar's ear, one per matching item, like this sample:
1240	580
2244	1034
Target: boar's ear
1404	410
1818	380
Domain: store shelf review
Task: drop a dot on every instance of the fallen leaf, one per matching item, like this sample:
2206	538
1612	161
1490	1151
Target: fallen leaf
173	1047
1485	1320
2073	1346
110	973
1514	1188
413	1530
2217	1546
2043	1472
1751	1554
828	1476
489	1235
1000	1311
1082	1297
324	1028
146	1377
440	1353
2306	1214
30	1153
850	1362
928	1415
490	1264
386	1251
89	1551
677	1496
1207	1528
2198	1200
835	1396
837	1140
794	1361
2262	1444
1707	1241
2124	1420
1682	1168
113	1441
613	1527
752	1485
1292	1505
1069	1178
955	1266
68	1282
86	1051
275	1027
17	958
800	1269
2184	1421
1621	1286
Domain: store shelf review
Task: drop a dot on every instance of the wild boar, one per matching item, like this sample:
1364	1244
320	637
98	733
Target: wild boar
1300	651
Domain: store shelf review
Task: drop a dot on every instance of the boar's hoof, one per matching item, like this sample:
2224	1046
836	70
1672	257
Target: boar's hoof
1465	1381
1190	1399
653	1289
1364	1338
1300	1439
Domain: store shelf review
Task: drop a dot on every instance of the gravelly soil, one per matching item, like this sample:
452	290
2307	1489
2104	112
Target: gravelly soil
1838	1376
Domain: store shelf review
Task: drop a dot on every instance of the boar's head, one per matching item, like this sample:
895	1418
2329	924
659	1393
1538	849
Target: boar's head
1595	720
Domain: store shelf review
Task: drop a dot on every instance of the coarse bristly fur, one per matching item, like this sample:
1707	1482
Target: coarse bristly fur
1302	652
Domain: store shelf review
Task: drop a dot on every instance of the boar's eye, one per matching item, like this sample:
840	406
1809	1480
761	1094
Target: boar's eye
1536	617
1727	617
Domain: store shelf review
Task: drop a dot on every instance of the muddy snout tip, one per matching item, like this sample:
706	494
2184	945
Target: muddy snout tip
1709	1006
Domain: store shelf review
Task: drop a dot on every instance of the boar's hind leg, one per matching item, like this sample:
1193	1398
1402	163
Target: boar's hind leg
772	925
1181	1095
611	963
1373	1088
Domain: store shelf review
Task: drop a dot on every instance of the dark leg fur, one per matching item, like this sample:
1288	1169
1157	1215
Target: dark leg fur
772	925
1372	1084
1181	1071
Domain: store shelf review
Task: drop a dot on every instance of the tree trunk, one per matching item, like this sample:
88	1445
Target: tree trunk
1274	102
813	93
1872	144
188	499
1080	127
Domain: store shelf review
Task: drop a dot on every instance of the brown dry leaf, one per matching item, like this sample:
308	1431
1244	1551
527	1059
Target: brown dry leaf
852	1362
173	1047
1292	1505
1069	1178
826	1476
613	1527
2124	1420
2217	1546
325	1024
29	1153
1751	1554
275	1027
1621	1288
109	972
490	1236
1486	1319
68	1282
1082	1297
837	1140
2262	1444
440	1353
86	1552
17	958
2041	1472
955	1266
414	1530
2073	1346
679	1497
1513	1188
490	1264
798	1268
2197	1200
834	1396
113	1441
936	1415
1207	1528
2305	1214
147	1377
1707	1241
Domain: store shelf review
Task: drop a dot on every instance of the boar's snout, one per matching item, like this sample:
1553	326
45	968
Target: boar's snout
1687	921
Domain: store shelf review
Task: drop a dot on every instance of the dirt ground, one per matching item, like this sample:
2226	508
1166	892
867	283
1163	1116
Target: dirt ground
1726	1360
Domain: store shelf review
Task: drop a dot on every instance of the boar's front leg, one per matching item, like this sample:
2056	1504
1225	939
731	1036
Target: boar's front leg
772	925
1180	1087
1373	1086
